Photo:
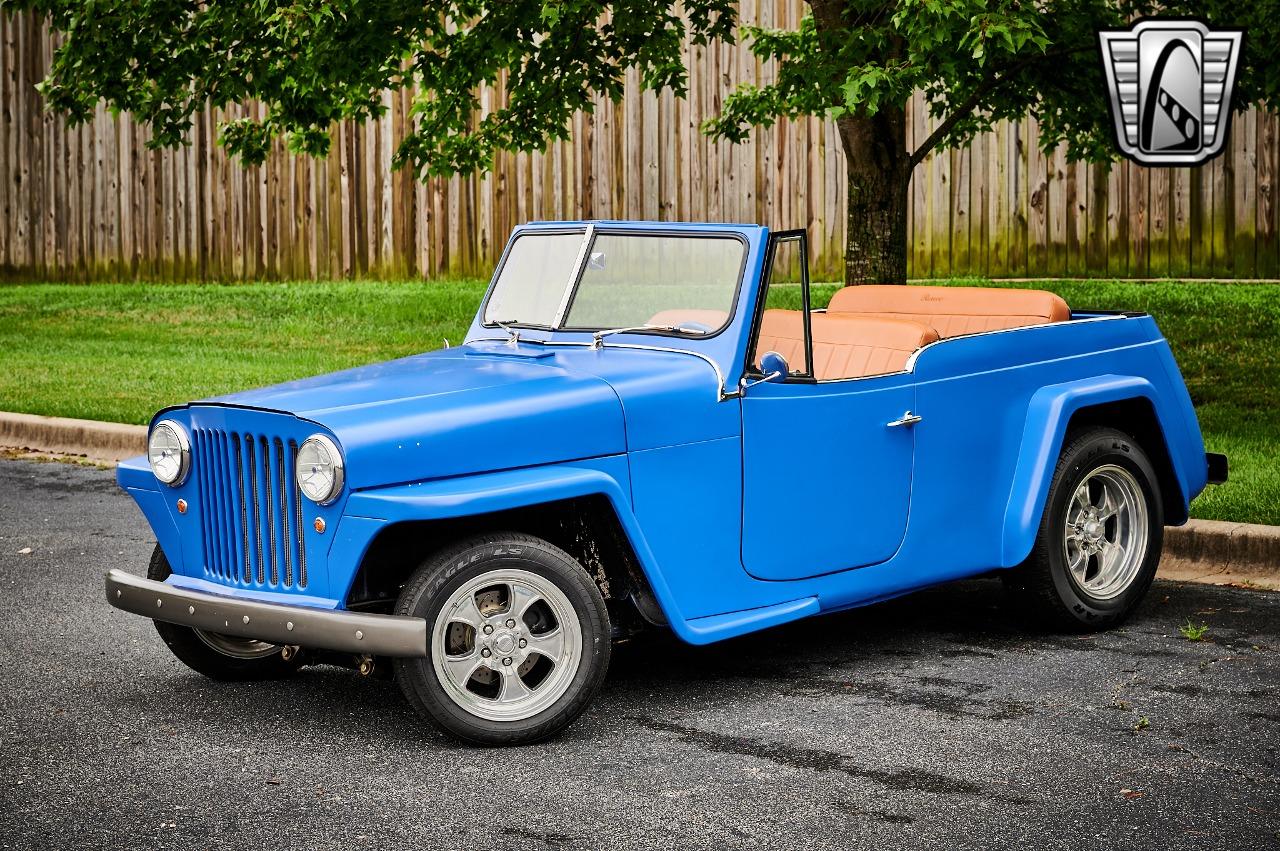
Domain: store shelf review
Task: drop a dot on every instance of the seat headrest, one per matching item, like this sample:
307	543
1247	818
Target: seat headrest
953	310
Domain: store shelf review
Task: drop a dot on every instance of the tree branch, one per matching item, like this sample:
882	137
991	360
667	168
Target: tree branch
971	103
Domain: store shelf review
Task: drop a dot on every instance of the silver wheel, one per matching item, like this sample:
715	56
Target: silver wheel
1106	532
506	645
236	648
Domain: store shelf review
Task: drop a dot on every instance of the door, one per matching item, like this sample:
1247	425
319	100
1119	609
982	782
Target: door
826	463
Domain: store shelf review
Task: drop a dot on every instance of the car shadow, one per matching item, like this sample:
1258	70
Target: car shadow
967	621
972	613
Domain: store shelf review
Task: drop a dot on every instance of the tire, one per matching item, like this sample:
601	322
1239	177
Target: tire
218	657
1075	578
535	599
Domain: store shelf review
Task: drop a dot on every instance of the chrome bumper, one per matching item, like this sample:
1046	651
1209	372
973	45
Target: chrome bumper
324	629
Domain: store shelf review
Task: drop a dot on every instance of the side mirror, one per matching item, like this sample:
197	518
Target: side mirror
774	366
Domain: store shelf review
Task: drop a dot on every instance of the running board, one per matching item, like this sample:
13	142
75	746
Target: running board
719	627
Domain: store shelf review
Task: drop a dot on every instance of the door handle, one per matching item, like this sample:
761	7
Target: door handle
908	419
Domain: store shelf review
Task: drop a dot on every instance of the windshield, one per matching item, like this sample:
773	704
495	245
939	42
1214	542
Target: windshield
684	284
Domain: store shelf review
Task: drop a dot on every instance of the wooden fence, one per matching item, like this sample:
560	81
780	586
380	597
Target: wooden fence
95	203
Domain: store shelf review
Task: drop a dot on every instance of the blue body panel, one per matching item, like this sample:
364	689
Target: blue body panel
744	510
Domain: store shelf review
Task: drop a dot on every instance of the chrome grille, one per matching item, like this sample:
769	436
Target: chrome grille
250	509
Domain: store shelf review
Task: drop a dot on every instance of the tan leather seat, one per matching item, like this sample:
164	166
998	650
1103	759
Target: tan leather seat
843	346
952	311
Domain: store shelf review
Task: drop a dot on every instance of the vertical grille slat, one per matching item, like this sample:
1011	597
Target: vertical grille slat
268	458
250	509
245	560
207	494
300	539
252	445
228	496
231	507
286	521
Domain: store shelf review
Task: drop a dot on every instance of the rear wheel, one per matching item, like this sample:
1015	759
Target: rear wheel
1100	539
519	640
218	656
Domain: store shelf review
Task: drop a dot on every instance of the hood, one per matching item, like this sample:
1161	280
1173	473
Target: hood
453	412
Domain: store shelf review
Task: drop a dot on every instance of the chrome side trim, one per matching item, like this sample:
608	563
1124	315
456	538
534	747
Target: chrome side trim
326	629
911	361
721	390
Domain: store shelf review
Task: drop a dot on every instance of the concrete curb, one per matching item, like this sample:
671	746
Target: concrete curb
1222	553
91	439
1207	551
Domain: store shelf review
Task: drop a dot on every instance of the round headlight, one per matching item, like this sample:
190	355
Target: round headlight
319	469
169	451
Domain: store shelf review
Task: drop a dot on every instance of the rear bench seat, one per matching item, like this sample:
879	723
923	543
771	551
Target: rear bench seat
952	311
843	346
872	329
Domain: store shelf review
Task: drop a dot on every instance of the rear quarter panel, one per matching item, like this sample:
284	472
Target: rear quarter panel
983	399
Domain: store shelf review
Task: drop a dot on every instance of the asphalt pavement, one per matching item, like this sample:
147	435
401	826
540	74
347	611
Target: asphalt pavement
934	721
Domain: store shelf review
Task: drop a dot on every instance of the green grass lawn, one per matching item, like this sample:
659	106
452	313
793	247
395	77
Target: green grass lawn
121	351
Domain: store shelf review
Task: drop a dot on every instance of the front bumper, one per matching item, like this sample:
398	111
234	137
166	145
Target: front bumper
323	629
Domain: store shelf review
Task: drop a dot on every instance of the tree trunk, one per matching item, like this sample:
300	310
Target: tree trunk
879	169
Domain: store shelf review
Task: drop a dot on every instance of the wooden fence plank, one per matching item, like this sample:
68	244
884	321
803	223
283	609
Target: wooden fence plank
1268	251
1139	221
979	188
1181	180
1243	148
998	224
1076	198
1056	182
1019	196
1158	187
959	260
1223	220
1037	204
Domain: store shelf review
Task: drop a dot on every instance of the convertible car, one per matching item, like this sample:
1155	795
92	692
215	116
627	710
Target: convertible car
659	426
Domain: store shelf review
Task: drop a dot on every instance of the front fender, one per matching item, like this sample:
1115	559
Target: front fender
1048	413
370	511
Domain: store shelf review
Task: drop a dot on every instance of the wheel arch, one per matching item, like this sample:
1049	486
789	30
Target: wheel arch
1137	418
586	526
1126	403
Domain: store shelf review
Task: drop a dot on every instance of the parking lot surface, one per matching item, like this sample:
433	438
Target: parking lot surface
934	721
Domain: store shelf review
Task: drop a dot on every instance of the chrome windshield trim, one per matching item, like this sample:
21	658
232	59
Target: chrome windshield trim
583	253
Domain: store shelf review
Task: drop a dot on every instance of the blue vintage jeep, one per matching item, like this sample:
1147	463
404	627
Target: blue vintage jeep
652	424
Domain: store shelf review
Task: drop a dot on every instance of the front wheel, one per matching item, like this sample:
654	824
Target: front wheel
1100	538
519	640
218	656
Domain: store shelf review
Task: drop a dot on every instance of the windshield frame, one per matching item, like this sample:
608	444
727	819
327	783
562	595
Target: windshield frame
590	232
